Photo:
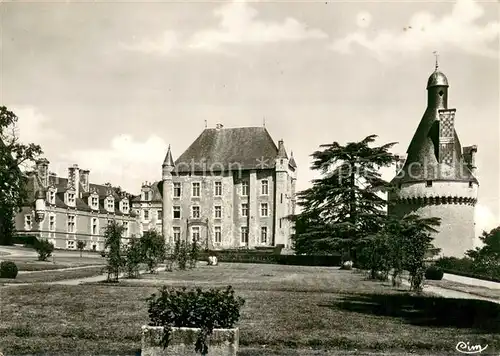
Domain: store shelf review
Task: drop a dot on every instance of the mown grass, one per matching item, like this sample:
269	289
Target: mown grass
54	275
289	310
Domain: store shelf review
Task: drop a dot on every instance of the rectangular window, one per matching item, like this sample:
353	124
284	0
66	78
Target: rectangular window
177	212
263	235
146	196
264	211
195	212
428	183
52	197
71	198
125	228
281	198
244	235
111	204
71	223
177	189
196	189
71	244
146	214
177	233
52	222
110	222
95	227
218	212
470	184
159	215
125	207
244	188
195	233
28	222
244	209
217	234
218	189
264	187
95	202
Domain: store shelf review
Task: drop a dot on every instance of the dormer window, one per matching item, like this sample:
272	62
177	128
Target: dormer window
70	198
94	202
125	206
110	204
51	196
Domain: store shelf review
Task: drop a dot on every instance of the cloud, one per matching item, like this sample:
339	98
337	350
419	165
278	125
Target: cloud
33	127
125	162
457	30
164	44
238	24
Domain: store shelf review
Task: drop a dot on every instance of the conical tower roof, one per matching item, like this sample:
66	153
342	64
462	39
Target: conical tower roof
168	161
422	163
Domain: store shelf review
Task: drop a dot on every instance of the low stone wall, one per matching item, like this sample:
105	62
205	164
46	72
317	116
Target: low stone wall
222	342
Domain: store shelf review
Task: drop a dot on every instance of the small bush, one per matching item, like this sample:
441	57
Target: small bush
434	273
44	249
195	308
8	269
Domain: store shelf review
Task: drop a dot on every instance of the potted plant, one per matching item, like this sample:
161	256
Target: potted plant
191	322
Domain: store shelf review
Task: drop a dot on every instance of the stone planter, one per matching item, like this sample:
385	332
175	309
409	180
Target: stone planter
222	342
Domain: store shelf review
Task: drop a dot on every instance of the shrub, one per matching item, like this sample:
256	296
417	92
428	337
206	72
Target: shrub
153	249
133	258
195	308
182	254
44	249
80	245
194	254
8	269
434	273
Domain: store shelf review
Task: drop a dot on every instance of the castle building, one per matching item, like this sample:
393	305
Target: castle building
232	188
65	210
437	176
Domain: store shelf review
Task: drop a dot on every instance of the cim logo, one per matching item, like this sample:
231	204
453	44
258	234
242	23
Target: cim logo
466	348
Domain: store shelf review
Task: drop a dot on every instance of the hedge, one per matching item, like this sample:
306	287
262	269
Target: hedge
471	275
255	256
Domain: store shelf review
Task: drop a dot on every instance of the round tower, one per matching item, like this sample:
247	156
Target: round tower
437	178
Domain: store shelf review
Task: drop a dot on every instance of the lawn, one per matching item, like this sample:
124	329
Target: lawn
476	290
54	275
289	310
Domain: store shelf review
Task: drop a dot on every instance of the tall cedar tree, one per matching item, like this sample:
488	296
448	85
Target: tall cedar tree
13	156
343	206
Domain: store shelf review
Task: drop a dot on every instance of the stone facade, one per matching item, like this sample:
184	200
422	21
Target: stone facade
242	203
65	210
437	178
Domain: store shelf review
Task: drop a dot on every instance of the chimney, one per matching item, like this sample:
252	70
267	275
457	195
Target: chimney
219	126
74	179
42	171
446	136
84	180
400	162
469	154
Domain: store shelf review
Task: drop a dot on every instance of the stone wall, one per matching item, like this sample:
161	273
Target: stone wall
223	342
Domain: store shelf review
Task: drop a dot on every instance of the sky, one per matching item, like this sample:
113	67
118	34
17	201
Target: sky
109	85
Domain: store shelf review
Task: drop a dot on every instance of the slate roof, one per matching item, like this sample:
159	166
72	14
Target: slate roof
34	186
422	154
229	148
156	187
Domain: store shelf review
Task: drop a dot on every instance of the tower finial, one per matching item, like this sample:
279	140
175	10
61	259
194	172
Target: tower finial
264	121
437	59
205	123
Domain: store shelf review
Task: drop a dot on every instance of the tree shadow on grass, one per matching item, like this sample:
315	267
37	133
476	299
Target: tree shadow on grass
477	315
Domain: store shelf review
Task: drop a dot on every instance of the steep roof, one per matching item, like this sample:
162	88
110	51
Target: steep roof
156	187
34	187
229	149
422	154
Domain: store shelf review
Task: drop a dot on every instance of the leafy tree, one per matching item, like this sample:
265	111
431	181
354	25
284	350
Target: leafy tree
182	254
112	242
170	257
44	249
153	249
343	206
14	155
133	257
194	253
486	259
80	245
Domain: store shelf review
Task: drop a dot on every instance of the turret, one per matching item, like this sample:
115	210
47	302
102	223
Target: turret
167	190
